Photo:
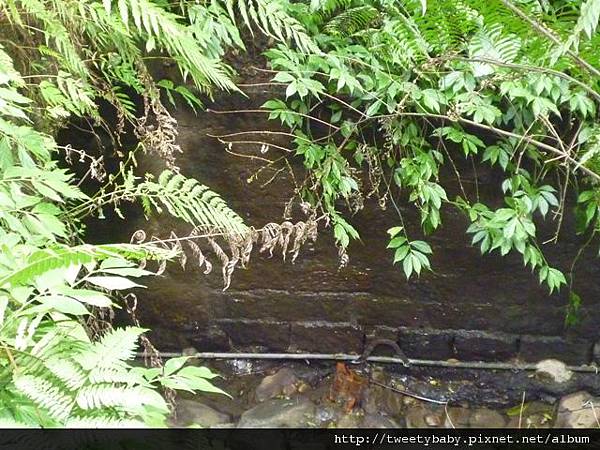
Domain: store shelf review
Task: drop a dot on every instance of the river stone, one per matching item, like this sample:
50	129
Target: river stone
191	412
279	413
378	399
189	351
225	425
576	411
596	353
283	382
328	413
487	418
378	421
348	421
553	370
433	420
456	417
415	417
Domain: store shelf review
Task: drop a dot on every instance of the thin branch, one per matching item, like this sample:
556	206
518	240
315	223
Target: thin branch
495	130
527	68
521	410
409	394
267	111
542	30
240	133
280	147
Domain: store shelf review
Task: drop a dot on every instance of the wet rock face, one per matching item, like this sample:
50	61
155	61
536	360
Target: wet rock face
553	370
280	413
282	383
487	418
327	337
313	306
484	346
578	410
378	421
456	418
194	413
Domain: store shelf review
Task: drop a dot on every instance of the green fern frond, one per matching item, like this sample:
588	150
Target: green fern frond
353	20
326	9
109	395
111	374
7	422
70	373
56	32
102	422
46	394
59	256
273	20
492	43
448	24
73	53
213	28
115	347
191	201
164	28
45	260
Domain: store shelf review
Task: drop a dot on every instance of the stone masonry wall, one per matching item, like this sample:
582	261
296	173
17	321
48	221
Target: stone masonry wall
470	307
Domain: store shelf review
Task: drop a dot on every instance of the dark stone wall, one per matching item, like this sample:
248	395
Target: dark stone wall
470	307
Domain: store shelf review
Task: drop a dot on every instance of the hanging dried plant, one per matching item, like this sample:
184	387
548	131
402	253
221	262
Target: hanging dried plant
286	237
159	137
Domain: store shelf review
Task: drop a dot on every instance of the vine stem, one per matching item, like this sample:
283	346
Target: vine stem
542	30
524	67
493	129
499	131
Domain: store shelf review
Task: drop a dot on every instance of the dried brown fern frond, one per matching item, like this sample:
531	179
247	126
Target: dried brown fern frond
157	131
288	237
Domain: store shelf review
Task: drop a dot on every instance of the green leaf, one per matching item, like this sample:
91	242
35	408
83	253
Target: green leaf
87	296
407	266
422	246
394	231
113	283
197	383
401	253
174	364
431	99
63	304
397	242
193	371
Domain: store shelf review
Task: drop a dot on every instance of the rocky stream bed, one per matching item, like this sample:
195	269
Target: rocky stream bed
273	395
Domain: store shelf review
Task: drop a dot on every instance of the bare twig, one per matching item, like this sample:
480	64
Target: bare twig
267	111
543	30
590	403
521	410
448	416
410	394
498	131
526	68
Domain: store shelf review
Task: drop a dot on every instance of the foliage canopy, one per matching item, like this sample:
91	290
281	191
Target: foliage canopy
401	90
409	89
